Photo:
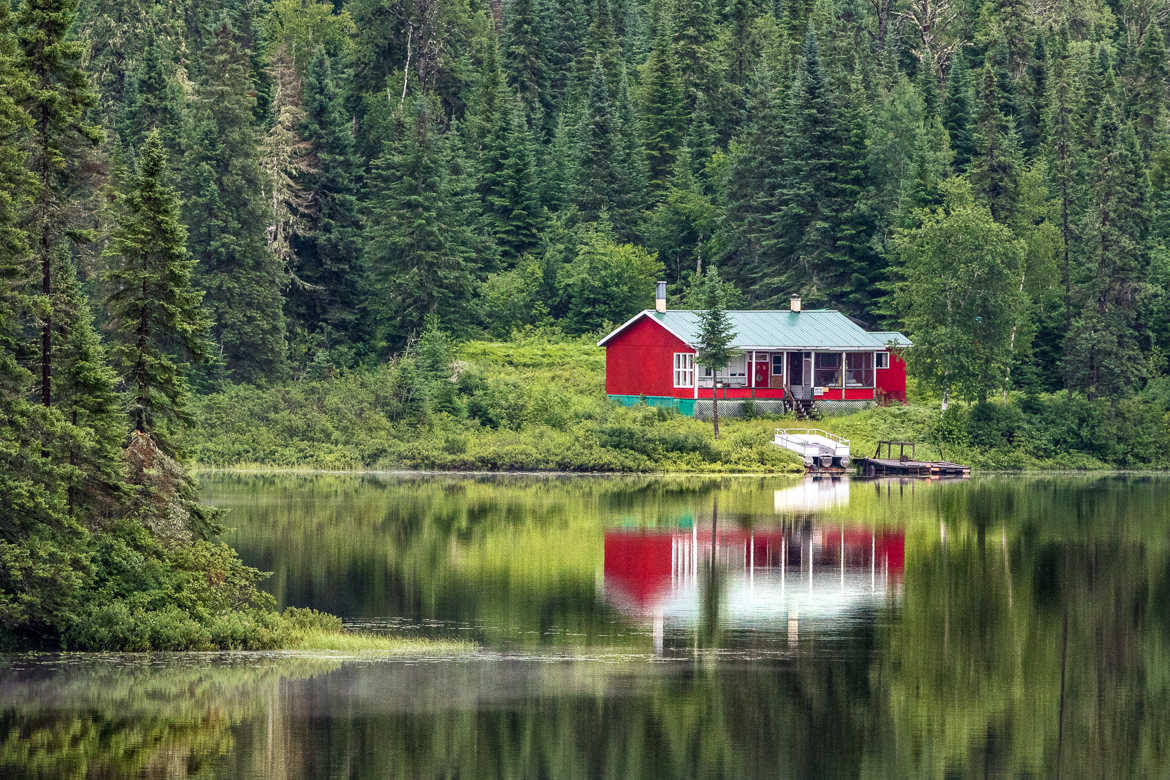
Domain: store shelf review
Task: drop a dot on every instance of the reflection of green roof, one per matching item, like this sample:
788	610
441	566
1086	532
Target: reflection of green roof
809	329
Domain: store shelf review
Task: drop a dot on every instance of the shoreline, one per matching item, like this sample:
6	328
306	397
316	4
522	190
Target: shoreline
407	472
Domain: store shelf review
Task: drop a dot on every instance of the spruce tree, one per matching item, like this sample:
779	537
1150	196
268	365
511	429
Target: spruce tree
1065	163
326	285
57	100
225	211
508	185
716	335
156	321
957	115
995	169
524	55
1146	105
1102	351
818	234
417	244
693	32
758	159
603	167
659	114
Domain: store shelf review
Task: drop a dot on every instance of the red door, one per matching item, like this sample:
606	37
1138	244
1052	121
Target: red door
763	371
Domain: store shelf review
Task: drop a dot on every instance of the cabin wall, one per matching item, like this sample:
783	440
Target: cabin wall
640	362
891	382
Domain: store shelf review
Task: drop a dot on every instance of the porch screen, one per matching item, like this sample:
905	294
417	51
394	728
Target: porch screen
827	369
859	369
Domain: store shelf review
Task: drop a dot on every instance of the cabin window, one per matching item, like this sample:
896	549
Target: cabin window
827	369
684	369
778	365
859	369
883	359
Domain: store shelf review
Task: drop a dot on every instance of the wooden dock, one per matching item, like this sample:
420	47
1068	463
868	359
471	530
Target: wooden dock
907	465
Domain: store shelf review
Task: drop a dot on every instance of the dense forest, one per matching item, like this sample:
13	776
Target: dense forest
196	196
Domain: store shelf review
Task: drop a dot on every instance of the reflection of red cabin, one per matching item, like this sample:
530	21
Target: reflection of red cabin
815	354
643	568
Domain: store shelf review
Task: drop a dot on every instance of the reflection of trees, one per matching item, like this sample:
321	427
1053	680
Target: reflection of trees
515	555
122	716
973	666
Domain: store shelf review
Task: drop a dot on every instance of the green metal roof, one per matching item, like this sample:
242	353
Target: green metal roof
778	329
892	337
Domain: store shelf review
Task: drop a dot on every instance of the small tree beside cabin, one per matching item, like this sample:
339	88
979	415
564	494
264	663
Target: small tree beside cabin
716	334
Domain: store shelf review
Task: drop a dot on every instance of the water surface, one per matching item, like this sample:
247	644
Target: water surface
740	627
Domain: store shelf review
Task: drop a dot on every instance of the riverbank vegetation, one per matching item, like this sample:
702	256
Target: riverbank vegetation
538	403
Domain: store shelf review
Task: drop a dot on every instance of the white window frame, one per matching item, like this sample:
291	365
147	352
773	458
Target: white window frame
684	369
878	357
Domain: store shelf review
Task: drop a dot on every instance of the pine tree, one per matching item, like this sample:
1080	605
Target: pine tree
1102	351
418	248
716	335
508	186
995	168
1065	163
817	230
957	115
1150	83
758	160
155	316
225	211
523	55
693	33
603	167
57	100
659	114
327	274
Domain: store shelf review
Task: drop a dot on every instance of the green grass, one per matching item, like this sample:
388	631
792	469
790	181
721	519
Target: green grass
540	405
379	644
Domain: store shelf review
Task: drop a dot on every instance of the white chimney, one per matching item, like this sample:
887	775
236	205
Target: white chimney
794	303
660	297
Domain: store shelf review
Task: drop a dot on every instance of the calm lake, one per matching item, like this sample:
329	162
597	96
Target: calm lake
671	627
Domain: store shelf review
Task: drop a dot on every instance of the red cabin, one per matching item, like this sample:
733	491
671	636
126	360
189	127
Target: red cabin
818	354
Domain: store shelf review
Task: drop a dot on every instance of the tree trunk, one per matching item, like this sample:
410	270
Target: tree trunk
715	402
946	400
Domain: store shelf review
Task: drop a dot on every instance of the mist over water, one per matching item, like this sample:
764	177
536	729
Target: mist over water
637	627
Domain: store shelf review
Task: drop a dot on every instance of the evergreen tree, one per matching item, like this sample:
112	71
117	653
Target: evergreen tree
957	115
418	246
524	55
1063	153
152	100
604	173
1102	350
1150	83
758	160
659	114
995	167
508	185
326	277
154	308
693	36
817	230
716	335
62	143
224	207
